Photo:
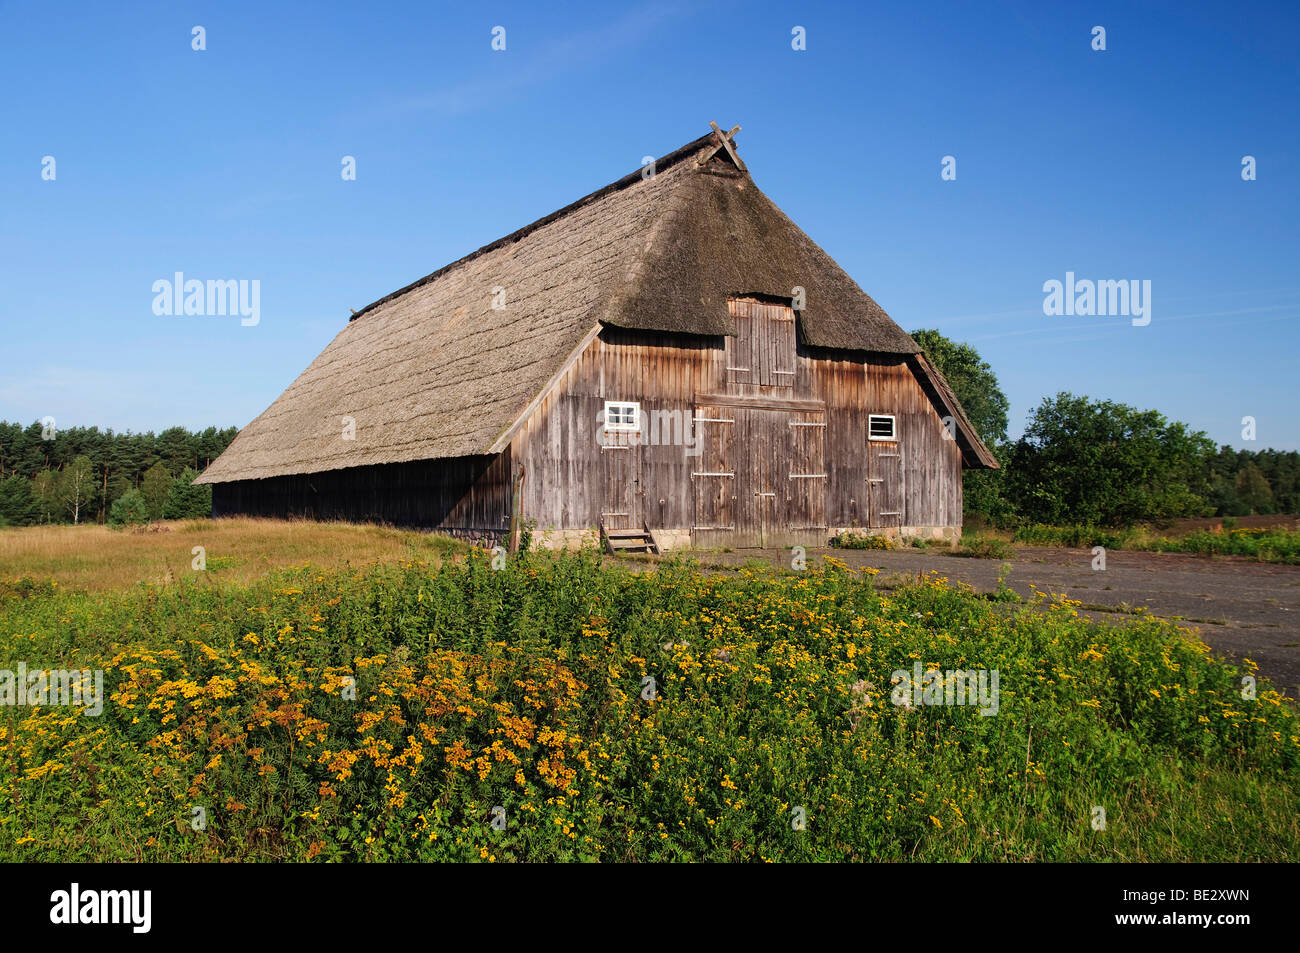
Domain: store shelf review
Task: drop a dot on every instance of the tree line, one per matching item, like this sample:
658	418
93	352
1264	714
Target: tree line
1102	463
84	474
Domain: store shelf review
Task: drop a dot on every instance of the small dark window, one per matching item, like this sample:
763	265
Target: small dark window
880	426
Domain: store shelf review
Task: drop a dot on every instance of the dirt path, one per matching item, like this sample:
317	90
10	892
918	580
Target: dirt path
1240	607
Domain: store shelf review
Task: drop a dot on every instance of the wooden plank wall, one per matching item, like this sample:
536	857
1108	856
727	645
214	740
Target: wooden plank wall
465	496
560	443
858	386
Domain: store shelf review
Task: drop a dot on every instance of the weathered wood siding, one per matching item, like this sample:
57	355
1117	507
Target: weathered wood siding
749	470
466	496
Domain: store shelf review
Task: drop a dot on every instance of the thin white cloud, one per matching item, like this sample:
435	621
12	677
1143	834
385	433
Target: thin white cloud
558	57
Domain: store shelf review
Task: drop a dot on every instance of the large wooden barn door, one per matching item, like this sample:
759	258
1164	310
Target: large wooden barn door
760	479
884	485
713	473
734	500
761	455
803	517
620	472
758	508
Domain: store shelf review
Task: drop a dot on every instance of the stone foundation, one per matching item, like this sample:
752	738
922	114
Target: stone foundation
672	539
668	539
565	538
950	534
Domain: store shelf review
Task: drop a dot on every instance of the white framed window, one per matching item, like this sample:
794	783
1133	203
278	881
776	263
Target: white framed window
622	416
880	427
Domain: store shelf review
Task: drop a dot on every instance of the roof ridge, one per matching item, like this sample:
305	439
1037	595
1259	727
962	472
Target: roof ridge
671	159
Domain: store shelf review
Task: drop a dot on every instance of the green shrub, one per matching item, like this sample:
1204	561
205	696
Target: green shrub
860	540
1265	545
128	509
983	547
1075	537
1004	593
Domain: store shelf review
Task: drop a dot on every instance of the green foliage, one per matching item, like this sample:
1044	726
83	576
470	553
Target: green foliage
972	381
1004	593
1253	489
1084	461
1075	536
984	496
185	500
523	688
1273	545
129	508
979	546
45	492
1265	545
1101	462
118	462
76	487
18	505
1243	482
156	486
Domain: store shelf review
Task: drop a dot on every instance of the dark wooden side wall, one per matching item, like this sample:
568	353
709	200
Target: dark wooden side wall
570	479
465	496
857	386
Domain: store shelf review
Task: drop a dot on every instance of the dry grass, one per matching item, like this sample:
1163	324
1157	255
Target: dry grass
97	558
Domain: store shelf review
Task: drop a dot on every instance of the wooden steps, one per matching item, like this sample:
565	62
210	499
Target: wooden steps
629	540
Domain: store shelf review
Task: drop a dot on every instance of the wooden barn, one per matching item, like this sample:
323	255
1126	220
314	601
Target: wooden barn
669	358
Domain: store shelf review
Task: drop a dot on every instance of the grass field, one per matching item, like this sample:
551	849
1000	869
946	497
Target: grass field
1270	543
1275	542
404	710
236	550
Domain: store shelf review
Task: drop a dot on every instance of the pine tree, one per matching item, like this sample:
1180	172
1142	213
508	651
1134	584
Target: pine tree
128	508
185	500
18	507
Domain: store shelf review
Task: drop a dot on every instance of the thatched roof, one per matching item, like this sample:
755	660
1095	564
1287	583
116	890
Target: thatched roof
434	371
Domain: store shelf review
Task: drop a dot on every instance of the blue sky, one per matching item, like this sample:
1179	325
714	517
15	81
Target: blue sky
225	163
